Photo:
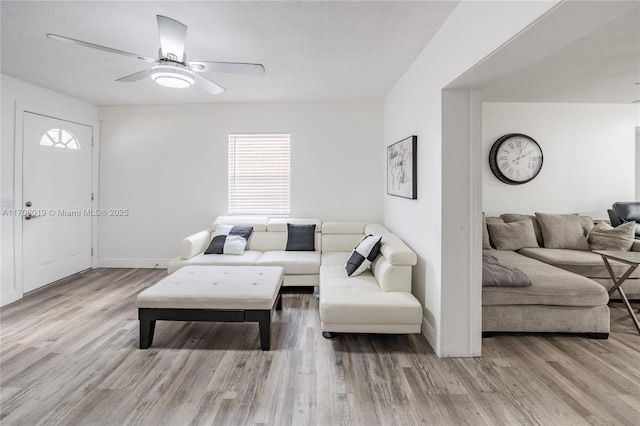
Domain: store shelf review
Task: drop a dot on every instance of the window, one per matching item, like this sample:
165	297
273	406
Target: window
59	138
259	174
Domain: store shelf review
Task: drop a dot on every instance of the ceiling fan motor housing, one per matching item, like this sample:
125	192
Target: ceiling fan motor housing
172	74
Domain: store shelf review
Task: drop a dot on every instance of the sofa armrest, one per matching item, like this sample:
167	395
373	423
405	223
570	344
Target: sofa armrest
636	245
194	244
396	251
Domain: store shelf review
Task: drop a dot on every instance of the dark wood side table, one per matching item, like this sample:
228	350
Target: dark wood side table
631	258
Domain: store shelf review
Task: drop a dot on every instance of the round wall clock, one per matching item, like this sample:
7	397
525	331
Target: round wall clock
515	158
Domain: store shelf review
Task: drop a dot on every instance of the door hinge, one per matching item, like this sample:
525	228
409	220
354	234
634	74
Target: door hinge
92	196
91	251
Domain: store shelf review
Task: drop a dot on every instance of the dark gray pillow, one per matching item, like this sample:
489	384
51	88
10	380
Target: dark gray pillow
301	237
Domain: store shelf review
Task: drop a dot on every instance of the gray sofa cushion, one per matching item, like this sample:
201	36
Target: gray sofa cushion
515	217
486	244
606	237
512	236
551	285
583	263
563	231
492	219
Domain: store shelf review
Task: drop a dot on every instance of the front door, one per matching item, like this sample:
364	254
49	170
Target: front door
56	229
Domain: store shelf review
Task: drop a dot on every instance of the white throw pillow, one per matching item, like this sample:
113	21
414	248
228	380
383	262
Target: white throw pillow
229	239
362	256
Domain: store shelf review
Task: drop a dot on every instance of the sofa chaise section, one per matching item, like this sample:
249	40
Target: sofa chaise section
377	301
557	301
588	264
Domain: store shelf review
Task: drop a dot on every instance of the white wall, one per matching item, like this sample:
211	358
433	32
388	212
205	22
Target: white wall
13	90
588	152
637	181
430	224
168	166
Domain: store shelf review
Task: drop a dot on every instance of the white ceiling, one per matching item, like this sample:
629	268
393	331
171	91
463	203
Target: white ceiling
312	51
602	66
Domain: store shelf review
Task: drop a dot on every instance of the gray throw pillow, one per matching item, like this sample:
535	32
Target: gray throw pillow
512	236
563	231
498	274
301	237
605	237
486	245
515	217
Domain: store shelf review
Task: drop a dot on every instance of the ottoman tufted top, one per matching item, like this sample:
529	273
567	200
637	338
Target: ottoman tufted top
215	287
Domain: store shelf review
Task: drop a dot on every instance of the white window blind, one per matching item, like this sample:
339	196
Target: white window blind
259	174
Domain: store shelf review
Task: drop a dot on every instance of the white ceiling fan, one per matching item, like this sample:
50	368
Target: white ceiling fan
172	69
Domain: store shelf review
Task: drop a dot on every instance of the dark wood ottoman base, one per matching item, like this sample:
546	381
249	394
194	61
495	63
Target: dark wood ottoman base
149	316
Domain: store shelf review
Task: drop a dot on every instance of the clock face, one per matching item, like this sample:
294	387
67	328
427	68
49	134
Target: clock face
515	158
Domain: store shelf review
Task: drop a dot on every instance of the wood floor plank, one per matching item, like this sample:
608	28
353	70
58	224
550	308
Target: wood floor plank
69	355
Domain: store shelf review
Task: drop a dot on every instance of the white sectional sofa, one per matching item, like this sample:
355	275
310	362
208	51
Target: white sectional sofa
377	301
265	247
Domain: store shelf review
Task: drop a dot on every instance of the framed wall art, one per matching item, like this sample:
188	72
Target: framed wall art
401	168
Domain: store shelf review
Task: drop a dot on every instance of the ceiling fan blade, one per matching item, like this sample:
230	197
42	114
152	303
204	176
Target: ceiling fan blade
228	67
173	35
97	46
135	77
209	85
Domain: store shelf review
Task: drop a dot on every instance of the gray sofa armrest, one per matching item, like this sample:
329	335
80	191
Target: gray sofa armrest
636	245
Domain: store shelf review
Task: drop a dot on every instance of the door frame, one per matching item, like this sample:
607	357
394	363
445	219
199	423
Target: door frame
21	109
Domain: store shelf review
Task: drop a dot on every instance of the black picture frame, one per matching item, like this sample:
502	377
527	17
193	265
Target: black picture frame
402	168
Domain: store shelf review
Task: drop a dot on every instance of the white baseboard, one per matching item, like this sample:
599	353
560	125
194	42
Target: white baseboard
132	263
10	297
429	333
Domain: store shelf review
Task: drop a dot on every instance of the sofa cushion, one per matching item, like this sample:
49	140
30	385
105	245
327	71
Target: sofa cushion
334	257
515	217
513	236
279	224
585	263
293	262
486	242
550	285
258	223
248	258
606	237
563	231
362	255
301	237
359	300
492	219
343	227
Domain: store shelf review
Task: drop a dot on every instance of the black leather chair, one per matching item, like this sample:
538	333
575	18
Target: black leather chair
622	212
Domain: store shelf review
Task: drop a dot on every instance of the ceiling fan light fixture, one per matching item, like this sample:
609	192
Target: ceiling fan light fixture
172	76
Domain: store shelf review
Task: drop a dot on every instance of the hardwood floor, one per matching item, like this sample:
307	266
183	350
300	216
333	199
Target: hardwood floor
69	355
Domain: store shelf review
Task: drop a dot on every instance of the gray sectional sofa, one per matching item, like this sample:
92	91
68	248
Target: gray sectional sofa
569	285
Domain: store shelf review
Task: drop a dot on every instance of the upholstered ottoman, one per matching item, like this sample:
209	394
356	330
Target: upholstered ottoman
213	293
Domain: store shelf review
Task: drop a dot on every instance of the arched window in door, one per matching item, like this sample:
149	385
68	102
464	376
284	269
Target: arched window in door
59	138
